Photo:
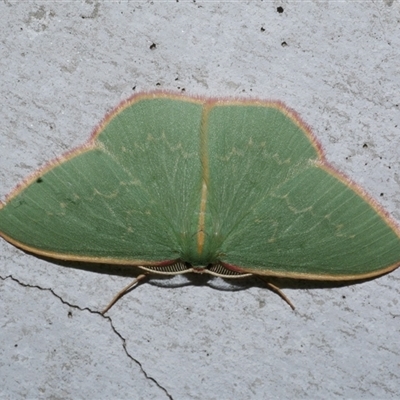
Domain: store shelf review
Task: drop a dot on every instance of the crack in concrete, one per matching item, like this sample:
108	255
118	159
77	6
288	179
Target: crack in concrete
146	375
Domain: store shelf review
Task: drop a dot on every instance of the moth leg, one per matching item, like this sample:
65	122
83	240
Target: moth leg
279	292
124	291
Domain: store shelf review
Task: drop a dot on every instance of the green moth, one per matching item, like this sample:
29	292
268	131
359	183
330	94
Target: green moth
176	184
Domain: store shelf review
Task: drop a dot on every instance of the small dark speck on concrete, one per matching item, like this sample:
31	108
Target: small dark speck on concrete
280	10
262	29
283	44
365	145
153	46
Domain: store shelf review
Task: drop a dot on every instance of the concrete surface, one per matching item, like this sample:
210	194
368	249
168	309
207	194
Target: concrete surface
64	65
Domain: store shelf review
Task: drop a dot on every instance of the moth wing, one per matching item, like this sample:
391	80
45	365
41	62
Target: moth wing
280	210
127	197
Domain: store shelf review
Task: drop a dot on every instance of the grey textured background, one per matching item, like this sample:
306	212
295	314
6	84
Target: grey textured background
64	65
